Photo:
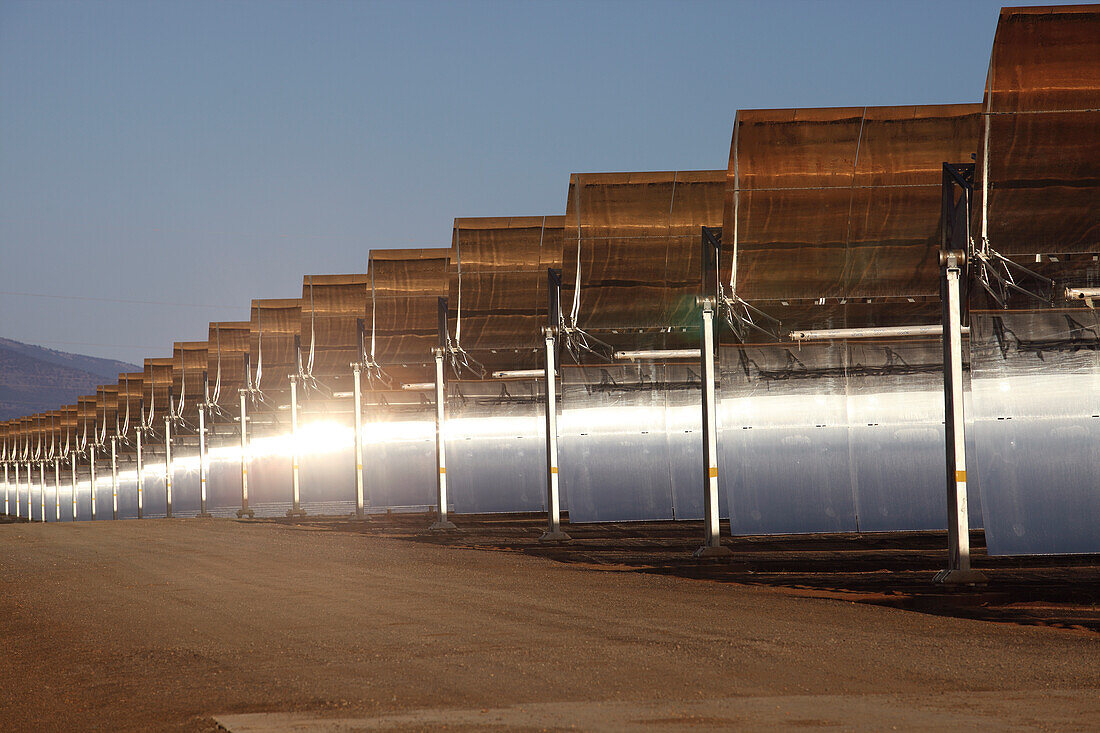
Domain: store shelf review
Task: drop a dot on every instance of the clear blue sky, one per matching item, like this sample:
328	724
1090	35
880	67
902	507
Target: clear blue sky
207	153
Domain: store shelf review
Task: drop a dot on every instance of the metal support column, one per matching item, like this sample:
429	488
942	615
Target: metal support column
114	477
168	466
72	477
357	411
244	510
140	476
57	488
553	531
202	462
712	541
441	523
30	492
91	468
296	494
6	485
958	525
18	510
42	488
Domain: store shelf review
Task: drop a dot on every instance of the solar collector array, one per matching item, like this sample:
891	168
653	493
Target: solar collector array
832	221
1036	365
227	367
130	414
830	218
399	425
630	433
498	300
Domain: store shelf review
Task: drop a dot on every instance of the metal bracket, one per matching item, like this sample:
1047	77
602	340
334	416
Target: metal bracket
458	357
997	275
740	315
575	340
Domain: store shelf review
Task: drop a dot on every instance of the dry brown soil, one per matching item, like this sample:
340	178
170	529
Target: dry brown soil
168	624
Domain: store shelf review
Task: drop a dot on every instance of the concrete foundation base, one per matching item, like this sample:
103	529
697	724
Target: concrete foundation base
960	577
719	551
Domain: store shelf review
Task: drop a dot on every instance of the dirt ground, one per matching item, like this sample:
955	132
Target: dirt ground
174	624
885	568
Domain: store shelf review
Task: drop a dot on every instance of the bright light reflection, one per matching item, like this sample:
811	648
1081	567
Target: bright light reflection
313	438
618	419
480	427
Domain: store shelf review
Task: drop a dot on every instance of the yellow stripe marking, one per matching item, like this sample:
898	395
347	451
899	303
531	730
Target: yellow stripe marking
713	472
960	477
553	469
443	470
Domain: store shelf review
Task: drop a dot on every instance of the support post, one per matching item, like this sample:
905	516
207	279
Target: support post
357	411
18	511
6	486
42	488
441	523
140	476
114	477
553	531
168	466
712	541
202	462
30	492
958	569
91	468
57	488
296	495
72	477
244	510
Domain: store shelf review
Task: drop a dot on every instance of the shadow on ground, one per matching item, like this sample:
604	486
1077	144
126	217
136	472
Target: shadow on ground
888	569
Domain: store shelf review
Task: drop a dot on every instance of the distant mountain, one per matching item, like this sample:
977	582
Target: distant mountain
35	379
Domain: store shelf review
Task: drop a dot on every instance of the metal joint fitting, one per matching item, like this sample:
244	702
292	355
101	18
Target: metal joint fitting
952	258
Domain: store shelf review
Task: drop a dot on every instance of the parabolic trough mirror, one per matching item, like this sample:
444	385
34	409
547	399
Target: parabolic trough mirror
497	298
403	328
1036	358
631	431
832	221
